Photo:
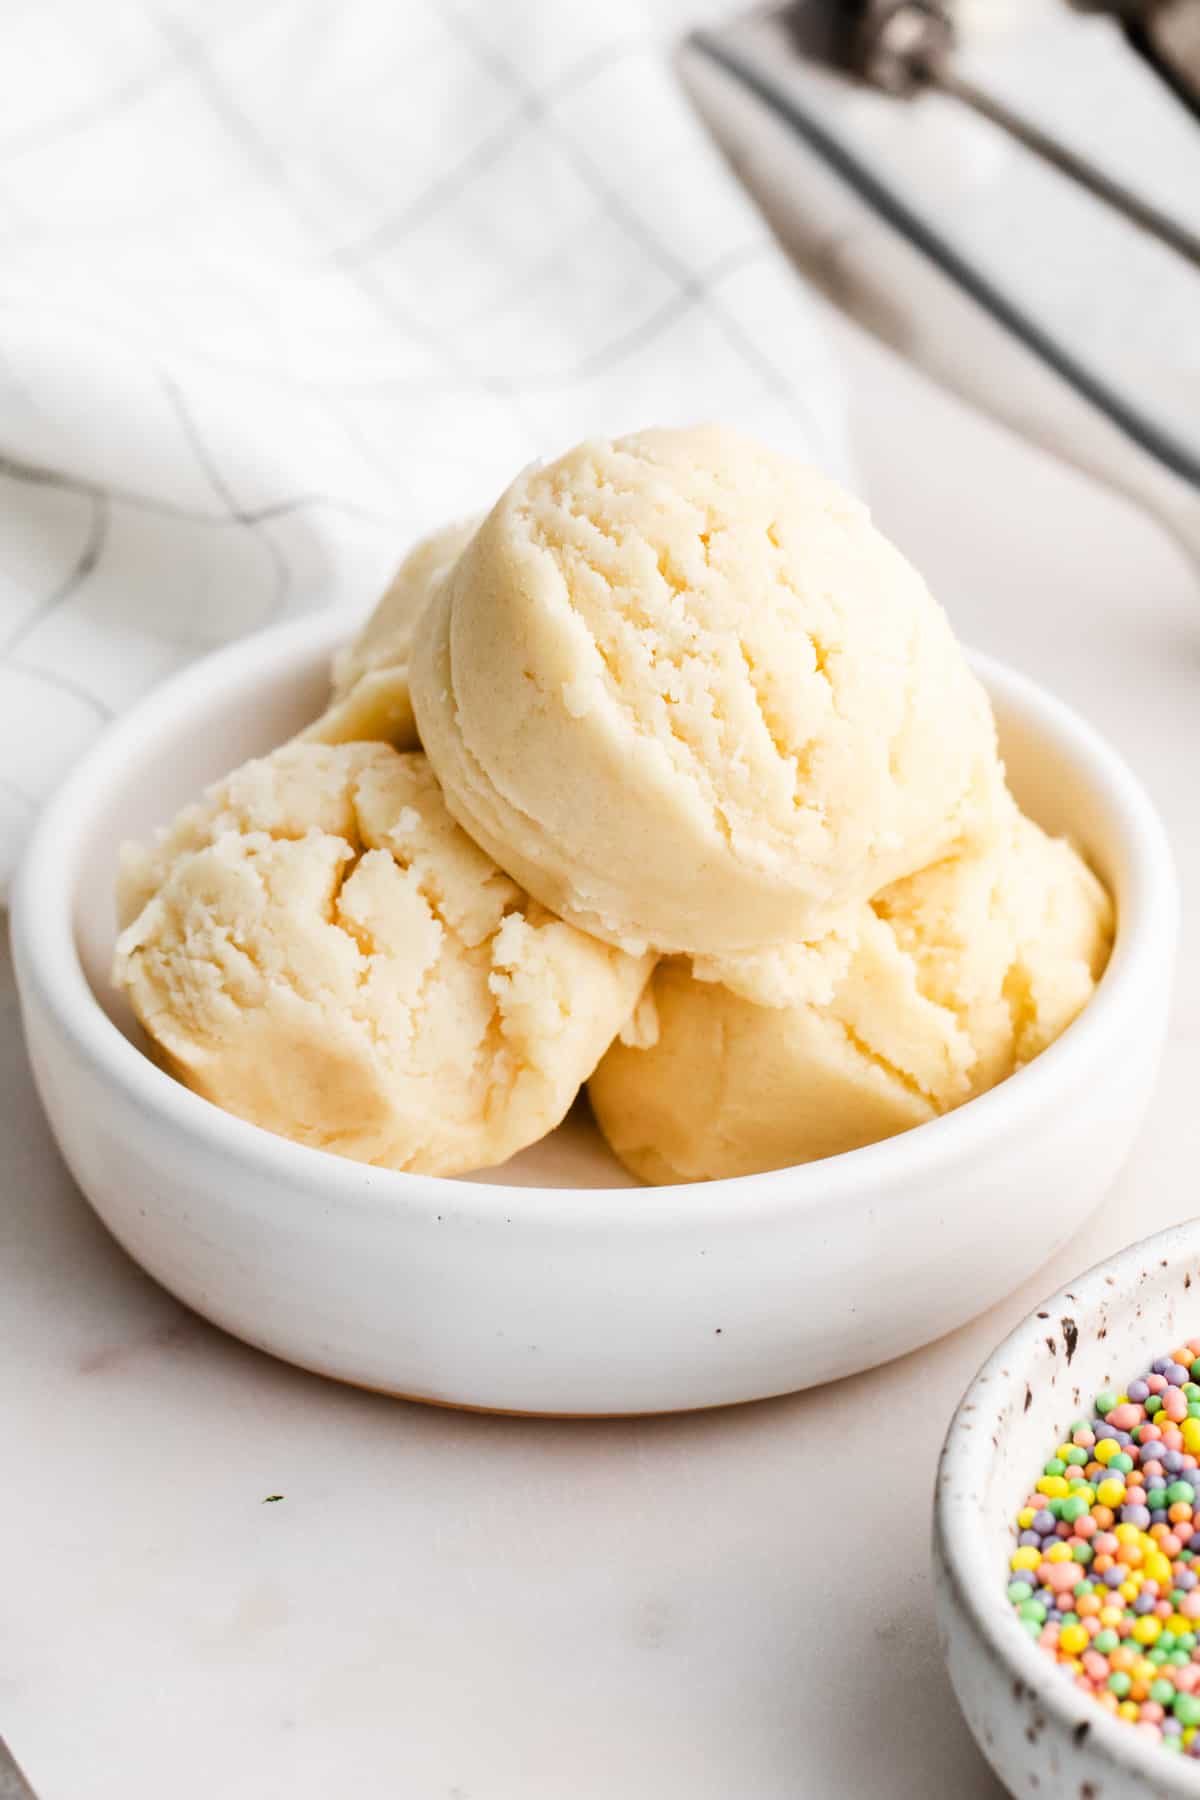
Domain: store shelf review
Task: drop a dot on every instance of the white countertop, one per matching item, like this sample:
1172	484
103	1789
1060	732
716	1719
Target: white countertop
448	1607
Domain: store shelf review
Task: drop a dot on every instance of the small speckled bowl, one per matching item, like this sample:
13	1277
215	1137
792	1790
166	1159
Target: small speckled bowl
1042	1735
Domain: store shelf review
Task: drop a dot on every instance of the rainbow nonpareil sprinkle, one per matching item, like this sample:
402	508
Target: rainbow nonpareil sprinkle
1104	1574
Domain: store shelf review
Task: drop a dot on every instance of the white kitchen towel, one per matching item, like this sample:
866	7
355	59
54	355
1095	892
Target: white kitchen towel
284	285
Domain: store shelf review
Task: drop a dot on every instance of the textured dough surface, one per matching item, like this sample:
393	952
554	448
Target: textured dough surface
681	689
320	949
371	698
951	980
297	789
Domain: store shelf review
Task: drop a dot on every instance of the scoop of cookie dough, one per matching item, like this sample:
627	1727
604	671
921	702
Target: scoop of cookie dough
946	983
320	949
370	696
681	689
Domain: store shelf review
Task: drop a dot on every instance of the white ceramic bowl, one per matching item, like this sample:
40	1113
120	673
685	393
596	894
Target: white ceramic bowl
555	1285
1041	1734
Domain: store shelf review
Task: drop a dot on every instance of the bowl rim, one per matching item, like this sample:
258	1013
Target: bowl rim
961	1539
48	966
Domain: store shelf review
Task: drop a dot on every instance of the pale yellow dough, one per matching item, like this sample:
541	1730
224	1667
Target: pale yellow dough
680	688
947	982
319	948
370	696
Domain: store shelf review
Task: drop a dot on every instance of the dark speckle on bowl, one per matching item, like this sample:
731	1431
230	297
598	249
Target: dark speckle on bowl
1051	1346
1028	1397
1070	1332
1081	1730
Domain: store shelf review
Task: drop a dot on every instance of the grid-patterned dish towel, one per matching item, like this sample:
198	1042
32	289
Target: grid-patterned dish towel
283	286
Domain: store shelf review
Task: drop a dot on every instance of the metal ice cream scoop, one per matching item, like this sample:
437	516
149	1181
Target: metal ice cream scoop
1105	307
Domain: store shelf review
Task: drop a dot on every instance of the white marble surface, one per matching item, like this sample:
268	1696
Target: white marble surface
445	1607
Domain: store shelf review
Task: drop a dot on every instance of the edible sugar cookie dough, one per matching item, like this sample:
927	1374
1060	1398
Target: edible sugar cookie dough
944	984
685	693
370	696
676	698
319	949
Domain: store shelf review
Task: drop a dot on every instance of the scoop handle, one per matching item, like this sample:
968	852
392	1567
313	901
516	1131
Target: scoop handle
13	1785
869	249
